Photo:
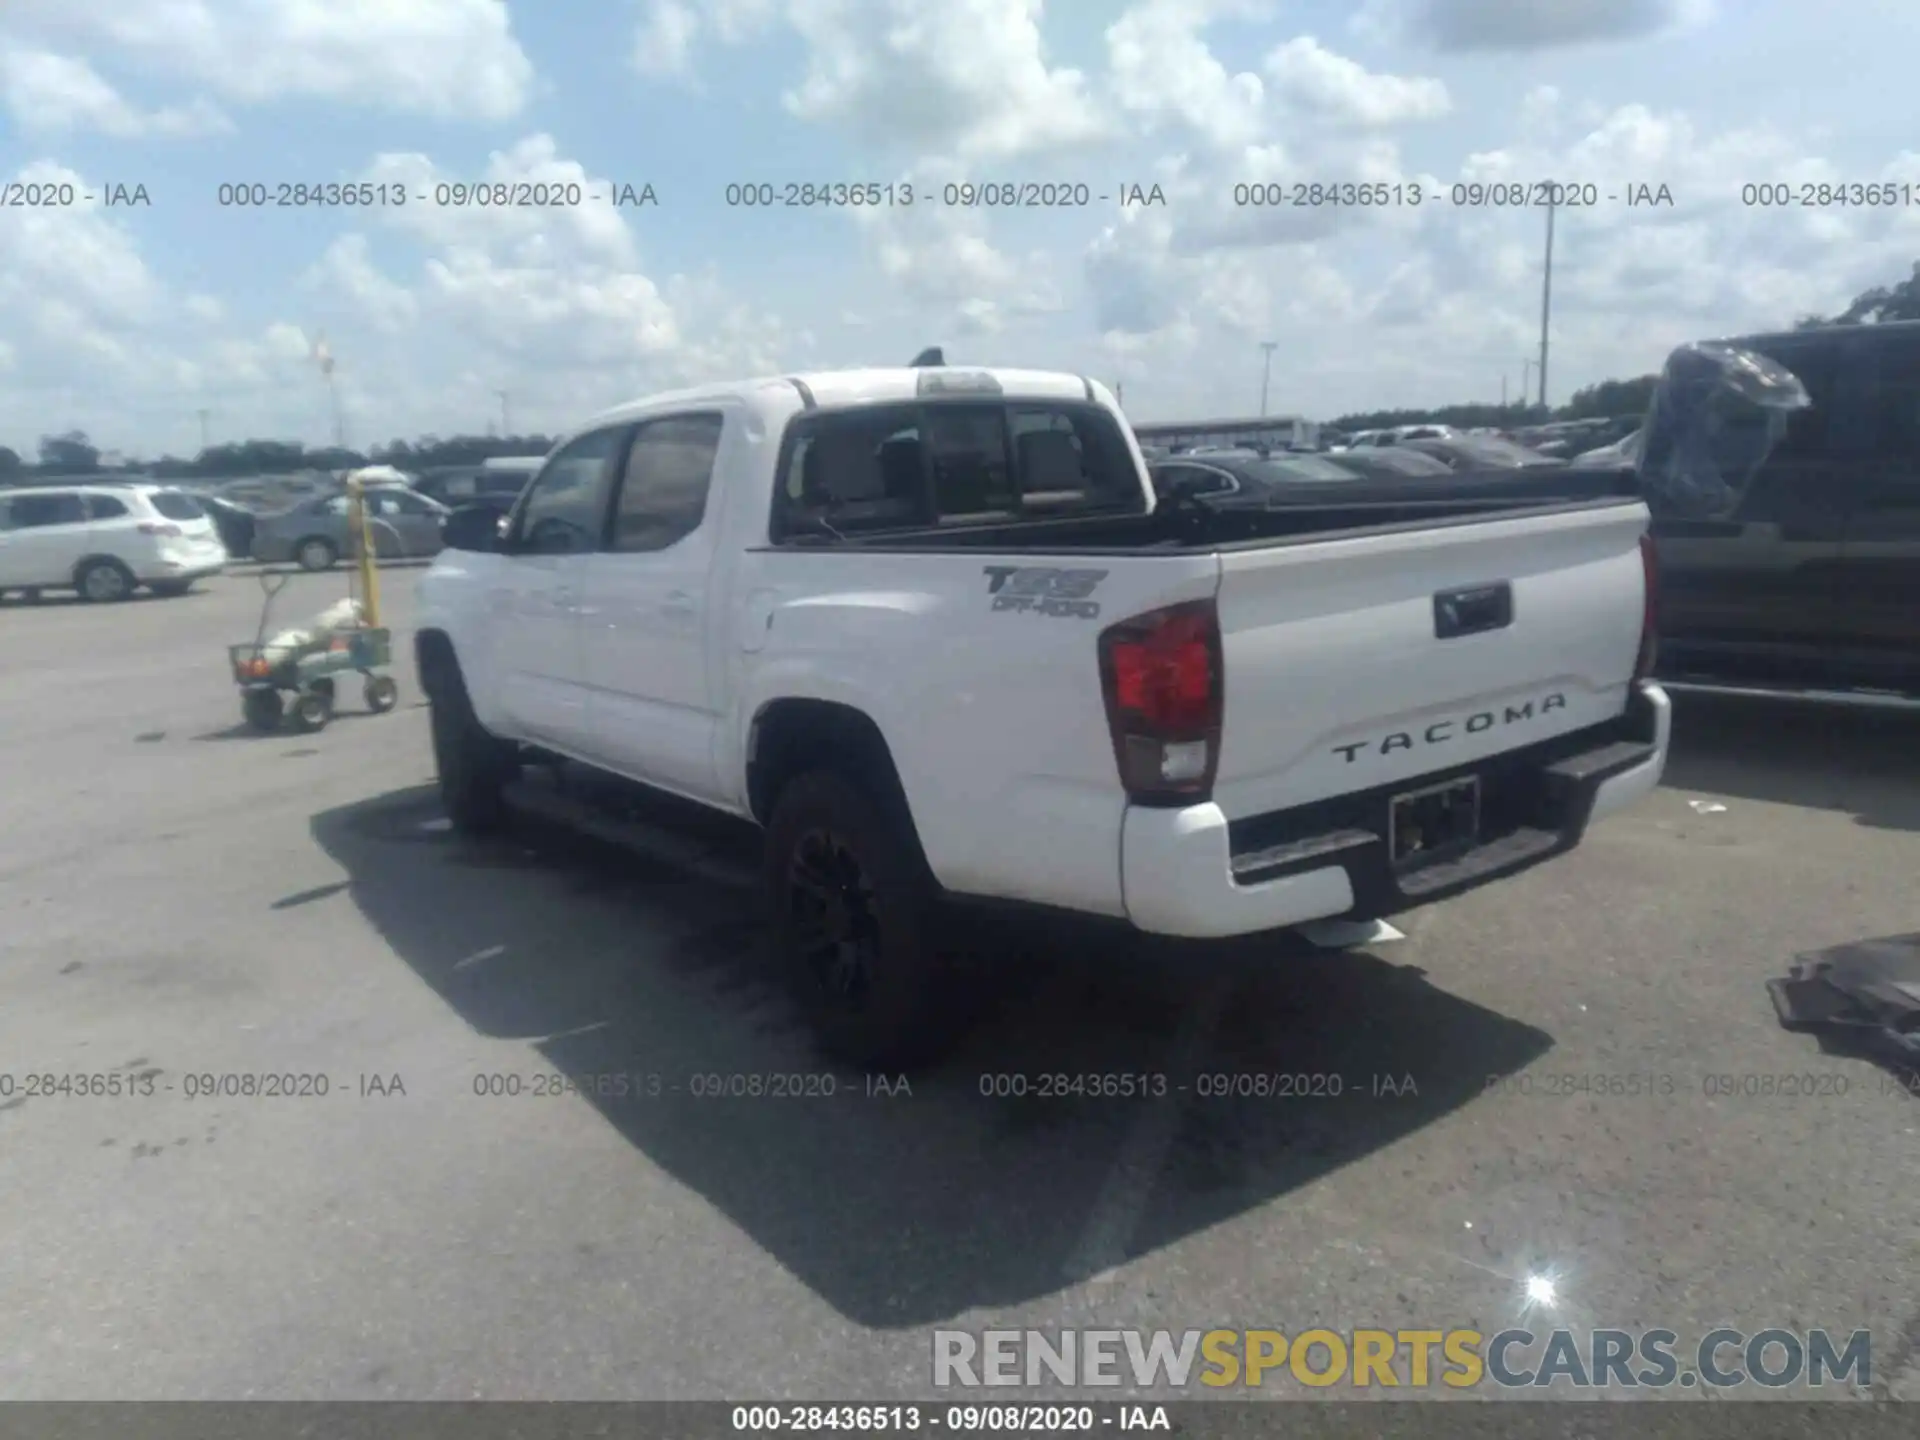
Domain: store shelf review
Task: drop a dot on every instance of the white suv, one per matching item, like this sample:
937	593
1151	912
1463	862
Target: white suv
105	540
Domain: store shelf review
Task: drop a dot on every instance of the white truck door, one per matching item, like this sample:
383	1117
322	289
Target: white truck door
535	596
646	618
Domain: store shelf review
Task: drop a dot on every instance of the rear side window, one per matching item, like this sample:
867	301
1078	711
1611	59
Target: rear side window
176	505
105	507
31	512
901	467
663	495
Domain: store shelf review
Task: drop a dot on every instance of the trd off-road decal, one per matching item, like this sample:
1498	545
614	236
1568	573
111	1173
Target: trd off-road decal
1044	590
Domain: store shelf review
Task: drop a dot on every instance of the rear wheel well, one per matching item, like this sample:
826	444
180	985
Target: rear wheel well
87	562
792	737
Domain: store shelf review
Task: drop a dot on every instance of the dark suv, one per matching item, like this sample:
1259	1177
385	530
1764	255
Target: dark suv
1812	578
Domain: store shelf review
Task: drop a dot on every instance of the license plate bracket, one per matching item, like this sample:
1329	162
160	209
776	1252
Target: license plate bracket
1434	823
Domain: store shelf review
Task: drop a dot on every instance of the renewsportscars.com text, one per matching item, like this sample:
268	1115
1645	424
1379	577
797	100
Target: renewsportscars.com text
1414	1359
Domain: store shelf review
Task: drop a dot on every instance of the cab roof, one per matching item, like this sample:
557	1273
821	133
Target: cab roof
839	389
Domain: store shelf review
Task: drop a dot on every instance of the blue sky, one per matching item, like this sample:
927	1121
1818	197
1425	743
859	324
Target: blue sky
128	322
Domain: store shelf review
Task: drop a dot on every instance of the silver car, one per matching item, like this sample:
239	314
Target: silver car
314	533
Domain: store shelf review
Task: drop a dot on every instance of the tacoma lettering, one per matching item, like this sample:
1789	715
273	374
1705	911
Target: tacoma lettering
1442	731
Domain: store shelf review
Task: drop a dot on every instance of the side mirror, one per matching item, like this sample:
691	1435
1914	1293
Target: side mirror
474	527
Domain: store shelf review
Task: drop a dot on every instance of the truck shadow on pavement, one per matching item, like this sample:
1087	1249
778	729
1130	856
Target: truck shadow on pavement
1863	761
907	1203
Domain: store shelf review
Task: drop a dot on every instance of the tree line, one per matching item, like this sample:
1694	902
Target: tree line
72	453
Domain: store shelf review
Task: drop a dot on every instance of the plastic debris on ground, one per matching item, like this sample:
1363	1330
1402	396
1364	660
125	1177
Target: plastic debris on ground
1707	807
1867	992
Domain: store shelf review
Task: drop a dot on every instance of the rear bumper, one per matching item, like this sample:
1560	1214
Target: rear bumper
1192	872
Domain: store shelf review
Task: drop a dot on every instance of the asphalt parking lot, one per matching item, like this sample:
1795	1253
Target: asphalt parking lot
183	902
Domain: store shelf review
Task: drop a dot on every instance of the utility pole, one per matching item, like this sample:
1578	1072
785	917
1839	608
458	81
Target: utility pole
206	441
1546	300
1266	373
1503	389
506	425
1120	393
1526	378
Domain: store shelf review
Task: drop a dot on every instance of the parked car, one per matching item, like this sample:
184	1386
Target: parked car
1388	462
463	484
235	523
105	541
1621	453
313	534
1809	576
1481	452
1245	476
847	607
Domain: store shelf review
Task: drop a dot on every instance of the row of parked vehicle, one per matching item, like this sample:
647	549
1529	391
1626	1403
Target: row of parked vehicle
1783	473
106	538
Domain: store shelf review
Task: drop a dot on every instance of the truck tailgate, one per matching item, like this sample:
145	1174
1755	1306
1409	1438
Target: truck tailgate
1338	678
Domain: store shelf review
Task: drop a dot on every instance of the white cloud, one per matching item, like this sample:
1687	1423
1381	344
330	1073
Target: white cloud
50	94
1163	73
1527	24
448	58
966	78
1316	84
664	44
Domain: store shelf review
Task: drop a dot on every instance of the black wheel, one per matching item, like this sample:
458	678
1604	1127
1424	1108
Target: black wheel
853	915
316	553
312	709
382	693
262	708
170	587
103	581
475	767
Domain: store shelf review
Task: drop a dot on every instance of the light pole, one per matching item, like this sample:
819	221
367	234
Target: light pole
506	425
1266	373
1546	300
206	441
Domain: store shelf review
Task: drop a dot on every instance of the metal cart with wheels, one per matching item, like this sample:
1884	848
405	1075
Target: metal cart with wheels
303	681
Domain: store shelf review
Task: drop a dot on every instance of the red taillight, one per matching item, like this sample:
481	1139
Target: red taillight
1649	611
169	532
1162	677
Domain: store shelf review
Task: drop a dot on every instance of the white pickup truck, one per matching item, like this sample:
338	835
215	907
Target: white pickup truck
931	630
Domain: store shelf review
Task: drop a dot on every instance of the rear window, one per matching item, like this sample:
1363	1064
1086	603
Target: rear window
900	467
176	505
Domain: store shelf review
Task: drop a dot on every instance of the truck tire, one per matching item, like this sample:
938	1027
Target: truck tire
853	915
474	766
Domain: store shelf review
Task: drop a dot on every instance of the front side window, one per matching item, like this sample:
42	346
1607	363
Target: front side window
663	492
105	507
564	510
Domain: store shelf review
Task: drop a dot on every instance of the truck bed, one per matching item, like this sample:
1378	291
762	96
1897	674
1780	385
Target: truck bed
1371	507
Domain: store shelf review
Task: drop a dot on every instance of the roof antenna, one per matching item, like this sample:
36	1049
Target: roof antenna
931	356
